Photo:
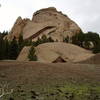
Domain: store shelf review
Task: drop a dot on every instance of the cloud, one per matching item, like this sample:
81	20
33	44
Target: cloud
86	13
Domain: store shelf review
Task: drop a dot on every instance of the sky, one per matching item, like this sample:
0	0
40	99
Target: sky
86	13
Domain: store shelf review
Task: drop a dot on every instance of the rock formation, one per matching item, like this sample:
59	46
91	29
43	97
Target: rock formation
17	29
46	21
23	56
50	52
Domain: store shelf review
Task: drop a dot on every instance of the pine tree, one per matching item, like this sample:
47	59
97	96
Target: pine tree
13	50
44	39
39	41
78	39
32	56
96	48
20	43
3	46
27	42
50	39
6	49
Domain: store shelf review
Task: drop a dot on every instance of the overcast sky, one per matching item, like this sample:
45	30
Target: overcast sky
86	13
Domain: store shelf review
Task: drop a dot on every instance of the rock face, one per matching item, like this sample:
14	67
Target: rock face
57	51
49	52
45	21
17	29
24	54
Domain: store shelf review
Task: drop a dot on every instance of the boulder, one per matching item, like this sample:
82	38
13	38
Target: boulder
57	52
23	56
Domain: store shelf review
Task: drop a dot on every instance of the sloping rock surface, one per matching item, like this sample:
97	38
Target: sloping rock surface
24	54
49	52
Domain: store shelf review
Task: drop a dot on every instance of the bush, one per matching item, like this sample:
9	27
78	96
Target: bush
42	40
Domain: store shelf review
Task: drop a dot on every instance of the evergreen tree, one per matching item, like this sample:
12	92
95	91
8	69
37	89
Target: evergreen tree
50	39
7	49
20	43
78	39
4	33
32	56
39	41
13	50
86	45
27	42
3	46
93	37
96	49
44	39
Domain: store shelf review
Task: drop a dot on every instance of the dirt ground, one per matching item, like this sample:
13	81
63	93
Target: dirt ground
50	81
43	73
92	60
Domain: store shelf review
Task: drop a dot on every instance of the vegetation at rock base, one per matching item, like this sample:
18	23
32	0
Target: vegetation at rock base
32	56
42	40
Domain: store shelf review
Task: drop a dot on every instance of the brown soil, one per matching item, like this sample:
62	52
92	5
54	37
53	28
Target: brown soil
93	60
35	72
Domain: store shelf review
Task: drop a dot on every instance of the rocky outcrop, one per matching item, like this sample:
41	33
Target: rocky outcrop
24	54
17	29
45	21
49	52
57	51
